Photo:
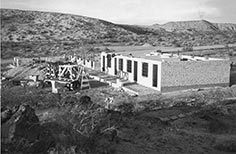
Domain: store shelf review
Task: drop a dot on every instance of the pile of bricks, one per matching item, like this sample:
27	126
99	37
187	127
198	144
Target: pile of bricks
172	118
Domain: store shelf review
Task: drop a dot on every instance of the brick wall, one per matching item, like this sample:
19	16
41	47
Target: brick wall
186	73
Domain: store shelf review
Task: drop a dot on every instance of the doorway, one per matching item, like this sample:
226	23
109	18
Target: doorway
115	66
154	75
103	63
135	71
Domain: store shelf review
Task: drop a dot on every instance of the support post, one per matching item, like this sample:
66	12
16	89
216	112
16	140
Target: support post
54	89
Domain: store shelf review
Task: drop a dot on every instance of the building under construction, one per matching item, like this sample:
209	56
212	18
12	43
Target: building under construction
167	72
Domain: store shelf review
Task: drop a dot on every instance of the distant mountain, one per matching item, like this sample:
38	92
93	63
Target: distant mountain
226	26
197	26
143	29
21	26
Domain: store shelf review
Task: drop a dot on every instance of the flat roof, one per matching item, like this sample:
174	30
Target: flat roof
164	49
169	57
142	51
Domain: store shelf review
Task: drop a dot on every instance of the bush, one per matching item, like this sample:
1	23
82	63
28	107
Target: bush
69	101
85	99
12	28
188	47
226	146
126	108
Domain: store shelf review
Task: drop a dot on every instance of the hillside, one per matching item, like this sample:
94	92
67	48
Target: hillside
20	26
197	25
144	30
226	26
34	33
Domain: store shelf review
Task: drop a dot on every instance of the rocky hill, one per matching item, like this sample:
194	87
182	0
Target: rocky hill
226	26
20	26
144	30
197	25
34	33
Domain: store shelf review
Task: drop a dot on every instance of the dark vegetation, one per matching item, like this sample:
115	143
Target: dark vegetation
73	123
43	49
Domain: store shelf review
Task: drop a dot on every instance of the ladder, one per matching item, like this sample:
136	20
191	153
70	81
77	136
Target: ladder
84	80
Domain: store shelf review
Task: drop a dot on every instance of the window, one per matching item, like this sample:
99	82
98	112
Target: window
145	69
121	64
129	66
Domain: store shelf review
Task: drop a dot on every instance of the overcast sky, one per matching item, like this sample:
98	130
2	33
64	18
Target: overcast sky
144	12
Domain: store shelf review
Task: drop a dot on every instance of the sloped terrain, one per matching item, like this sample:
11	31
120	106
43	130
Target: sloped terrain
34	120
199	122
226	26
20	26
197	26
34	33
143	29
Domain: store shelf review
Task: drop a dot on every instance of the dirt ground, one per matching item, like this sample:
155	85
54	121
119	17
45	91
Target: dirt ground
196	121
175	123
210	130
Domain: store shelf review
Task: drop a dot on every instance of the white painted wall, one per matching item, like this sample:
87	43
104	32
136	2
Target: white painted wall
88	64
146	81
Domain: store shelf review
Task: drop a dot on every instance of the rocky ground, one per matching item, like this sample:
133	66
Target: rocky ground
37	121
34	120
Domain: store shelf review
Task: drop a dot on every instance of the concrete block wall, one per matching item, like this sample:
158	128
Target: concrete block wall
97	66
186	73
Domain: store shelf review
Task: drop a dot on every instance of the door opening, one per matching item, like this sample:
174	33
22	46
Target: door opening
154	75
135	71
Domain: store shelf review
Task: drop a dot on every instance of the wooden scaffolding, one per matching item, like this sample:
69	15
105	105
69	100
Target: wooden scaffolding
75	74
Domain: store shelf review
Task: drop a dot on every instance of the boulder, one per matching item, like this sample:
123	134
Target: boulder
85	99
5	115
22	124
22	132
85	103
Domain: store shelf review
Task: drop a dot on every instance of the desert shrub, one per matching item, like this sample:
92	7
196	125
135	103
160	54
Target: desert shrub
37	98
32	32
12	96
187	48
226	145
69	100
231	53
85	99
126	108
62	150
83	128
219	120
12	28
176	43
